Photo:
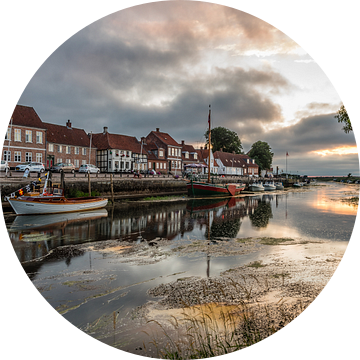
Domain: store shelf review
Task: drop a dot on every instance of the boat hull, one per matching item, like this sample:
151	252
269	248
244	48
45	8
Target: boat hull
256	188
200	189
29	206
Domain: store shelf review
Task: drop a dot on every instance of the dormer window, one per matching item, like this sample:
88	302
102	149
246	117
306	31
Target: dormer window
186	155
247	160
253	161
195	156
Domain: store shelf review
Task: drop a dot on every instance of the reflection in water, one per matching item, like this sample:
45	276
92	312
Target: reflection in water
261	216
286	214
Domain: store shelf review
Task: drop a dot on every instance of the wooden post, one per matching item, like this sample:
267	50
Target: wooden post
112	188
62	180
89	183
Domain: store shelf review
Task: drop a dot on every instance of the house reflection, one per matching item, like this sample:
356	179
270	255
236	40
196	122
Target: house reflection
34	236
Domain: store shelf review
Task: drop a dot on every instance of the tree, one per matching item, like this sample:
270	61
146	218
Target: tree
225	139
343	117
261	153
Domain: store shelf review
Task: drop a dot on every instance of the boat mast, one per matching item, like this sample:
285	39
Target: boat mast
209	120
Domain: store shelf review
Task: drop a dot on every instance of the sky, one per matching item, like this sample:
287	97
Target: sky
160	65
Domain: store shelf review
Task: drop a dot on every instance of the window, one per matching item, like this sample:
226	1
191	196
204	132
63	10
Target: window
68	149
84	151
169	151
17	156
172	151
186	155
76	162
149	165
195	156
68	161
59	160
17	134
253	161
83	162
28	157
39	137
161	153
77	150
247	160
161	165
8	134
39	157
164	165
7	155
157	165
51	147
59	149
28	135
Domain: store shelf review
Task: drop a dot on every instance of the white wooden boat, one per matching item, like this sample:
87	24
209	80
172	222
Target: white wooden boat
269	186
53	201
27	205
298	184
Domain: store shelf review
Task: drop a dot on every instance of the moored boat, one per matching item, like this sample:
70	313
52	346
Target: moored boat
52	201
199	188
269	186
26	205
256	186
279	186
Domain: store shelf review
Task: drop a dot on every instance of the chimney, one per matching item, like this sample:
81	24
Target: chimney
143	140
105	130
182	142
201	147
68	124
157	129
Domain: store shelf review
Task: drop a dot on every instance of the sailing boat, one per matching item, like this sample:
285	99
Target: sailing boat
198	188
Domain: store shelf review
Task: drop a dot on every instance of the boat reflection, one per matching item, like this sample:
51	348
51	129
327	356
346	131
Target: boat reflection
34	236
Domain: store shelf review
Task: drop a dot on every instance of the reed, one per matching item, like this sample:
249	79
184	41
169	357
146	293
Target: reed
217	328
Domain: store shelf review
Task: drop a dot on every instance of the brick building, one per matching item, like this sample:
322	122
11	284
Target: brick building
68	145
171	147
155	156
25	139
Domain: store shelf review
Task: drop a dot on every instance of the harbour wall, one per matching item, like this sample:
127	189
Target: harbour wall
118	187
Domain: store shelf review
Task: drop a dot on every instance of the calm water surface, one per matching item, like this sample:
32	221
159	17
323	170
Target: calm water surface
89	288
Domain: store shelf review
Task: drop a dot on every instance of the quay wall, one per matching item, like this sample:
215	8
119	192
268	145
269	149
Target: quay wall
117	186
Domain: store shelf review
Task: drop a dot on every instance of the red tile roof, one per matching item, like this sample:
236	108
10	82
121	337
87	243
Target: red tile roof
116	141
59	134
165	138
26	116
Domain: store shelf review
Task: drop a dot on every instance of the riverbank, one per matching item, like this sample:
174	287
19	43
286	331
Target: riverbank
271	291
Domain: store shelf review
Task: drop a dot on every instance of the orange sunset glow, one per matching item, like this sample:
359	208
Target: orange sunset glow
344	150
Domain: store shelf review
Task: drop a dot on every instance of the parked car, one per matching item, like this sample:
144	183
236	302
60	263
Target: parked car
31	166
88	168
63	167
4	165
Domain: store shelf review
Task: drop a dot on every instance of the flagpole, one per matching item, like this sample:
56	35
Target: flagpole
209	143
286	155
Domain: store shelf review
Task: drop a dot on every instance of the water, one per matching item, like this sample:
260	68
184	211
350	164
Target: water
97	287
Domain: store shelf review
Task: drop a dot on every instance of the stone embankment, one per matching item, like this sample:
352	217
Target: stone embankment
116	185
